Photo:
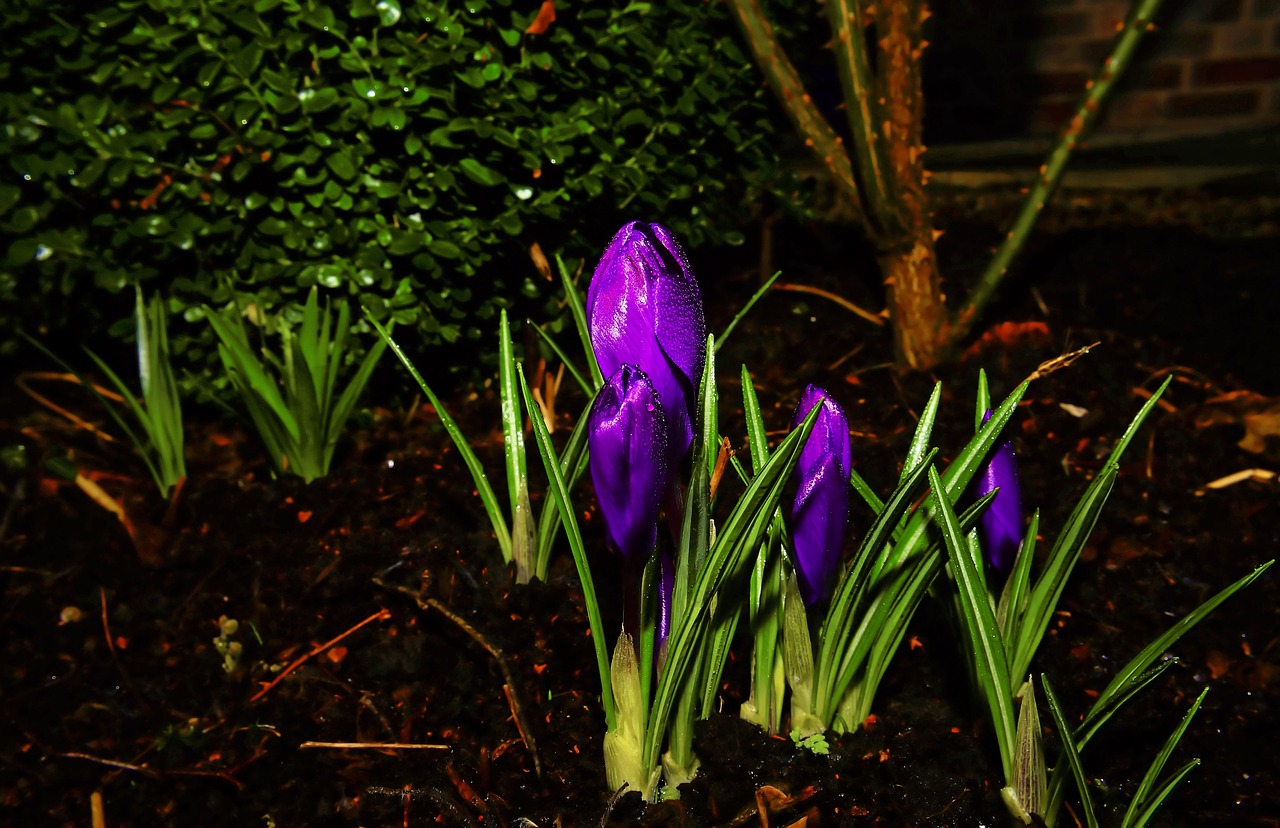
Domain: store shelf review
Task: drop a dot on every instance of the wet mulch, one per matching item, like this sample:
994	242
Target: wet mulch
112	682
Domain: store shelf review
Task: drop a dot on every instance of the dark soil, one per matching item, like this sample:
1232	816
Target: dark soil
112	683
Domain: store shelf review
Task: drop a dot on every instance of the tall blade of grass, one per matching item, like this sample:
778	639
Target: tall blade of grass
1135	674
1070	754
573	464
884	609
1138	806
1162	793
924	430
1162	643
990	661
747	306
695	536
468	455
954	480
841	616
1010	609
239	358
302	400
340	411
865	492
1042	600
984	400
523	524
741	535
332	347
564	359
161	393
313	349
559	492
574	299
1062	558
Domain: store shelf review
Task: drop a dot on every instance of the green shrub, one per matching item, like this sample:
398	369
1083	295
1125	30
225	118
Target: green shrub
406	154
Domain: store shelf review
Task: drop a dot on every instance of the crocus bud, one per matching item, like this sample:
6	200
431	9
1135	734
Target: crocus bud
821	510
628	445
644	308
1001	526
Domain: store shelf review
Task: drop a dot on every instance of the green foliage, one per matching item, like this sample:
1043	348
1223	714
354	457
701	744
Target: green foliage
405	154
292	397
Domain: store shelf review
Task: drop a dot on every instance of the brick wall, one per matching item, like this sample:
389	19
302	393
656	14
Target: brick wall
1005	69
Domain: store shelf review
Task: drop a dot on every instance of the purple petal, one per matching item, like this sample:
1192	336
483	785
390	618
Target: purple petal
830	434
666	586
644	308
820	513
1001	526
818	520
628	444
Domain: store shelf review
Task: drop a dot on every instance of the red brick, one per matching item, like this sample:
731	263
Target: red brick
1051	25
1134	110
1213	104
1184	41
1222	11
1051	116
1060	83
1241	39
1241	70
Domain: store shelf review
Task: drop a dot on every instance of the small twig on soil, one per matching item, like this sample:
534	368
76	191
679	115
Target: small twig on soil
517	710
97	814
873	318
371	746
380	615
1059	362
1260	475
465	791
113	763
21	382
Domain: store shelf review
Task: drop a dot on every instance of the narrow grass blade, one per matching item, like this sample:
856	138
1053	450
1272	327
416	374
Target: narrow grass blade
750	303
1070	754
990	662
1139	805
564	359
984	400
1158	797
341	410
724	623
864	491
573	464
559	492
740	536
841	615
523	537
955	479
574	299
238	356
1011	607
478	477
924	430
1152	651
757	442
1043	597
885	608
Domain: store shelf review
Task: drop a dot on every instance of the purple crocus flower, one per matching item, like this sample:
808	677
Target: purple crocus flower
821	509
627	438
1001	526
644	308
